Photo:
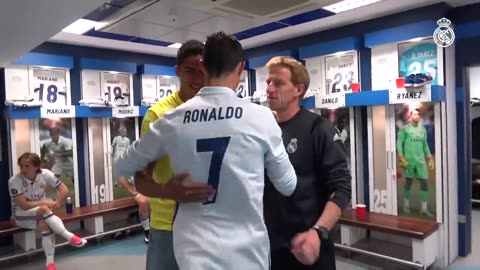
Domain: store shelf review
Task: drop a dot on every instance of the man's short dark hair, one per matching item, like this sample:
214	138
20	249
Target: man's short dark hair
222	54
189	48
54	130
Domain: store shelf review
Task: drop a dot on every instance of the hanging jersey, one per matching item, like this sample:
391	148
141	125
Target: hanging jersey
227	142
119	145
49	86
33	191
412	144
116	85
421	58
167	86
59	149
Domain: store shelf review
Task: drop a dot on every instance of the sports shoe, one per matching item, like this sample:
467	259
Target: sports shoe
51	267
422	79
409	80
119	235
146	236
77	241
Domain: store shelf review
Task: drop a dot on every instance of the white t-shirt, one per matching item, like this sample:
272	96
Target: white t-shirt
229	142
63	145
119	145
32	190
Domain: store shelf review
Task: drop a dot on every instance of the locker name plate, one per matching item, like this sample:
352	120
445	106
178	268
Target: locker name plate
57	111
122	112
405	95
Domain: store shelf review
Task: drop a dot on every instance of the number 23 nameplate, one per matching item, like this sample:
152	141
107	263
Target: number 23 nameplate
341	71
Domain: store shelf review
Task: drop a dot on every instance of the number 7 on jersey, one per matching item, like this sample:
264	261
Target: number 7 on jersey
218	146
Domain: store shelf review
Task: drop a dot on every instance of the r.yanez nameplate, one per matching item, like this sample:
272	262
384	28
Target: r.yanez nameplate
405	95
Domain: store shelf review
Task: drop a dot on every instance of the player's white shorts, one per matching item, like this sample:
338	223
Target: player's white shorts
26	218
61	168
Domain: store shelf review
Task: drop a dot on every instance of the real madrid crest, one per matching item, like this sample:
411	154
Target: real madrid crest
292	146
444	35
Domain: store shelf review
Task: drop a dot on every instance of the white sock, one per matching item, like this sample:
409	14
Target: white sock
48	245
56	225
145	223
406	203
424	206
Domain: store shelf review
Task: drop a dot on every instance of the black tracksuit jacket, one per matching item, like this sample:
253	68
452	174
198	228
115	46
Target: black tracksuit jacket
319	158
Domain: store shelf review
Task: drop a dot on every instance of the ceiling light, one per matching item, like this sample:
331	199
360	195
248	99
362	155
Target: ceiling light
100	25
415	39
175	45
340	53
80	26
348	5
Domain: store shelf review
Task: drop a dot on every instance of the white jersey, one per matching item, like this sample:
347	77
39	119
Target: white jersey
61	147
119	145
116	85
227	142
32	190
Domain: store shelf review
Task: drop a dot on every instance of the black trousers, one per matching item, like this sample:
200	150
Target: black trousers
283	259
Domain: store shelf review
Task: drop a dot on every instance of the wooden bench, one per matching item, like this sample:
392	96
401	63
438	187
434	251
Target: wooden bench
423	235
92	215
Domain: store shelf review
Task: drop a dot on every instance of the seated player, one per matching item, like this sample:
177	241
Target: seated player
143	207
31	209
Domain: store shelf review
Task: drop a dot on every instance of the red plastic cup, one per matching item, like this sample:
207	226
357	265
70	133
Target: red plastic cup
355	87
361	211
400	83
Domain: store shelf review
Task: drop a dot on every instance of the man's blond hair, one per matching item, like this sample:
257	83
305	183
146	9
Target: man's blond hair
297	69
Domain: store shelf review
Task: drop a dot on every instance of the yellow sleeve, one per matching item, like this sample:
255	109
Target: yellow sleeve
149	117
